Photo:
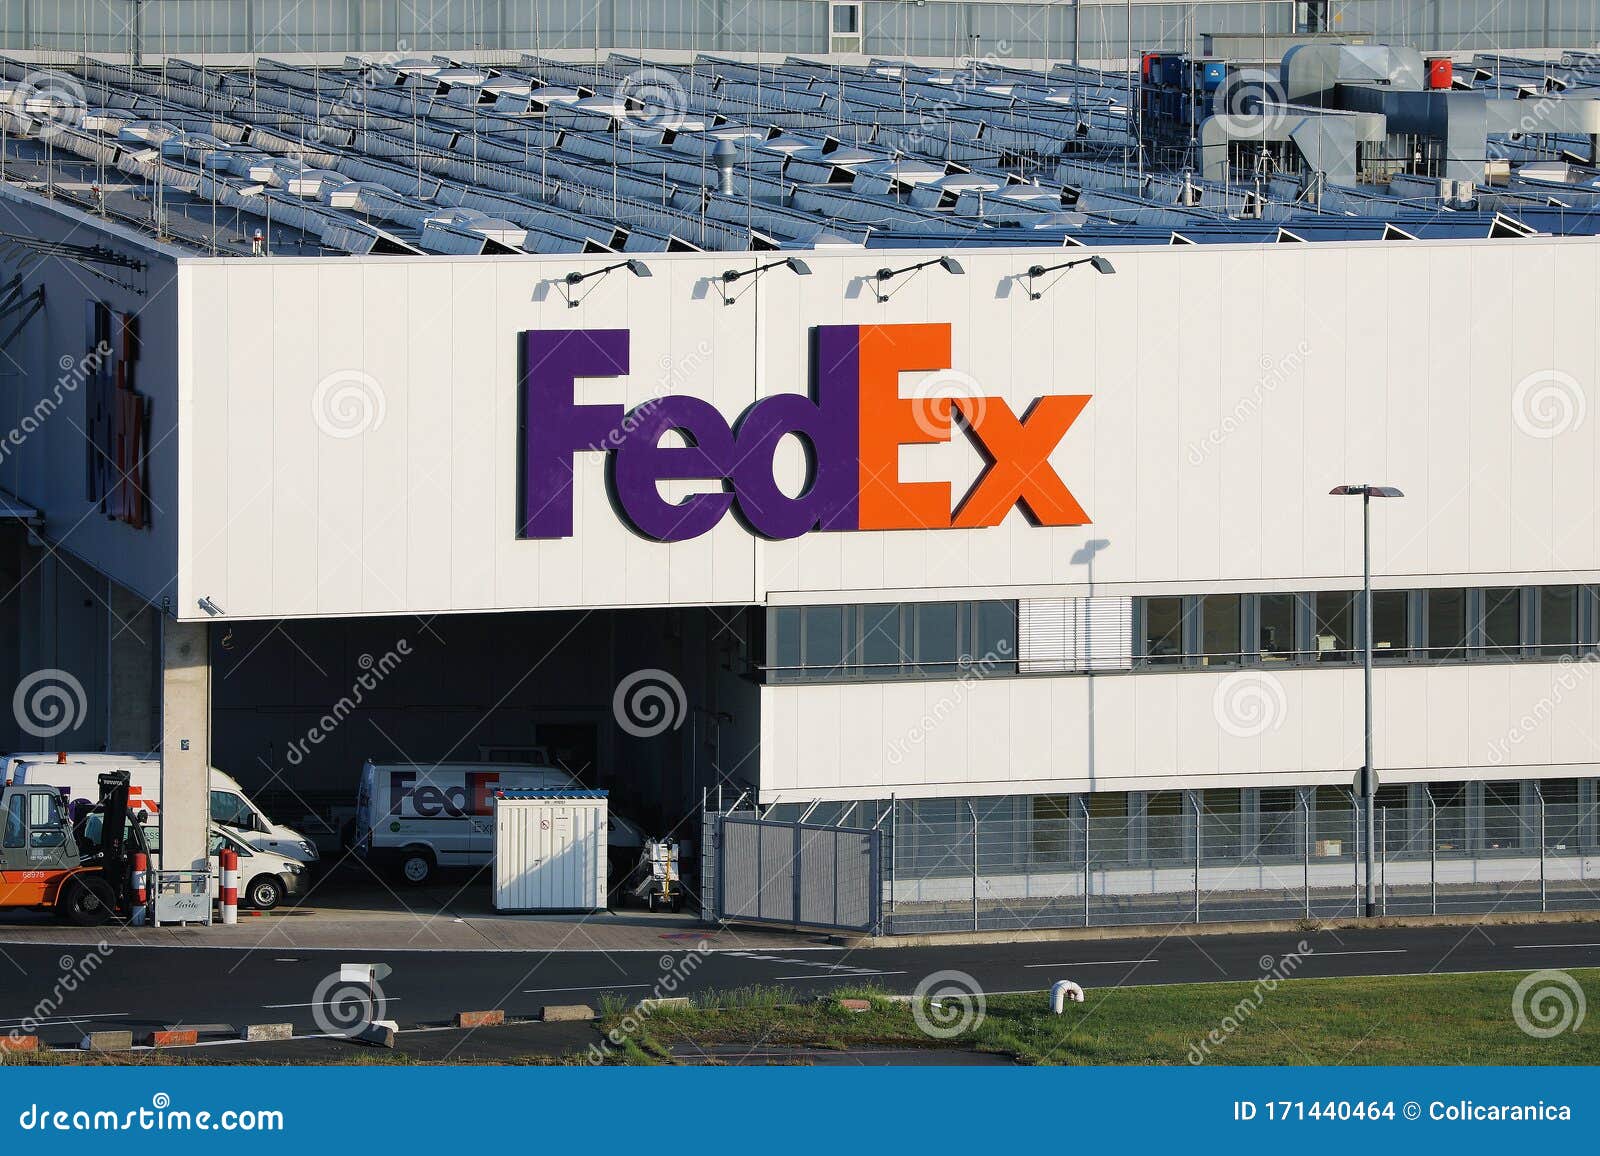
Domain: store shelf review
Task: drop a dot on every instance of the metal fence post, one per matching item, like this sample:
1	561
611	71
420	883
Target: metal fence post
1196	797
1433	855
1086	874
1384	874
1305	848
1543	896
971	810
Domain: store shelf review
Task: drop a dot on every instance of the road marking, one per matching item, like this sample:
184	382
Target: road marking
1093	963
320	1003
1372	951
838	975
63	1019
590	987
1549	946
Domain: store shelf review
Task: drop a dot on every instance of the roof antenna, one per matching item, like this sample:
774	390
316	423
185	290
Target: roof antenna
722	155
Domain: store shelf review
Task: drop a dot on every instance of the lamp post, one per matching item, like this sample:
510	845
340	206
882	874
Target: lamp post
1369	778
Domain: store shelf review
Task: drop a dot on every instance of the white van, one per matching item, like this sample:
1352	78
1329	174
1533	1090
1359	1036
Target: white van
413	819
230	806
265	878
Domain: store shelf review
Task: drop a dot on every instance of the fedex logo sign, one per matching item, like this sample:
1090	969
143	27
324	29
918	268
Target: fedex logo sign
427	801
853	422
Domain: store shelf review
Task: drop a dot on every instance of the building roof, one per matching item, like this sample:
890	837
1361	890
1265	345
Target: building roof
441	156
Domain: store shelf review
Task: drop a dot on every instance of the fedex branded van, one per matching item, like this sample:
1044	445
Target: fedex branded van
415	819
231	808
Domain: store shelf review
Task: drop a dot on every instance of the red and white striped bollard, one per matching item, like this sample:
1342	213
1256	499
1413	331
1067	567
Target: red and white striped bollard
229	885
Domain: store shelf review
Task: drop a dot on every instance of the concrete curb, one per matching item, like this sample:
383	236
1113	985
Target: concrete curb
566	1013
260	1033
18	1044
175	1038
1230	927
112	1041
480	1019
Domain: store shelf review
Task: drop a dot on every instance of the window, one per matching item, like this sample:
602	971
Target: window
938	639
1280	821
824	641
888	640
1335	619
1165	824
44	809
1563	814
1502	622
994	636
882	650
1163	631
1502	816
1275	627
1450	814
1447	624
1391	618
1220	641
1052	826
231	810
17	821
846	19
1558	620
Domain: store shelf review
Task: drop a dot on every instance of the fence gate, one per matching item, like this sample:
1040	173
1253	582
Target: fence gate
798	874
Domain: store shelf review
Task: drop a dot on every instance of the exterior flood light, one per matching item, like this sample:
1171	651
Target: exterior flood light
575	278
729	276
948	264
1098	264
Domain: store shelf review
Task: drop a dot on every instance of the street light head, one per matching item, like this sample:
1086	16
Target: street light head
729	276
885	273
574	278
1364	490
1102	265
951	265
1036	270
801	269
637	268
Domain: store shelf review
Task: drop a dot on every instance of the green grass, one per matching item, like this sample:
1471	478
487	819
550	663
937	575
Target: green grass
1442	1019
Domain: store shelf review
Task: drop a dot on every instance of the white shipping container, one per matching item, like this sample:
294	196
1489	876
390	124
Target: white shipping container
550	851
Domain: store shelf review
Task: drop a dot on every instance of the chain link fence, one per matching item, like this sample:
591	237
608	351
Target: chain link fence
1017	862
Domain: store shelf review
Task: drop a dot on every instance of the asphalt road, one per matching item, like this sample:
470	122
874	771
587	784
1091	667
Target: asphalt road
143	988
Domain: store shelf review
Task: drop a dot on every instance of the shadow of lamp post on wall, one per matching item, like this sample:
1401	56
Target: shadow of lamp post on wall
1369	778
